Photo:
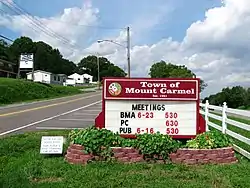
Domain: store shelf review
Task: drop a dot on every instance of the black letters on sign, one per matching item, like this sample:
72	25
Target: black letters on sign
127	115
125	130
124	122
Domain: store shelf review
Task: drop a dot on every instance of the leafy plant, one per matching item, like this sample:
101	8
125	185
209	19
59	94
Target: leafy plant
99	142
210	140
157	144
95	141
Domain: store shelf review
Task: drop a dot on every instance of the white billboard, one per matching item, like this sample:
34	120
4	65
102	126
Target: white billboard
26	61
174	118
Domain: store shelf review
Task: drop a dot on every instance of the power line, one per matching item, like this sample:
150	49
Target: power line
37	27
6	38
15	5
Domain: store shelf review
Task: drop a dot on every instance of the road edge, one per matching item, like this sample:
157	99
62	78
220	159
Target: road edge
45	100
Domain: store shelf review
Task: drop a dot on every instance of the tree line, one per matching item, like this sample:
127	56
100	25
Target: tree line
235	97
49	59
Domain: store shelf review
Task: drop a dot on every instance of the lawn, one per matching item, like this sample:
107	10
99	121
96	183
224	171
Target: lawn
21	165
244	108
17	91
235	129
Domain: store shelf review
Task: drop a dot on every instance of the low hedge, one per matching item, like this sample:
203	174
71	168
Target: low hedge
14	90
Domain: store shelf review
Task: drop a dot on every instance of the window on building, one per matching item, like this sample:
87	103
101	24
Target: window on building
55	78
58	78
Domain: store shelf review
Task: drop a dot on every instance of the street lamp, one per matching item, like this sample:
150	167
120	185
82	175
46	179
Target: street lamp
127	47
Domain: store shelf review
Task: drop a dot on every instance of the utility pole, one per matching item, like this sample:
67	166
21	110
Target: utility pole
98	71
128	50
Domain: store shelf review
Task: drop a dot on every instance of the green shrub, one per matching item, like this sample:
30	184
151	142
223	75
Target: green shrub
156	145
95	141
14	90
100	141
210	140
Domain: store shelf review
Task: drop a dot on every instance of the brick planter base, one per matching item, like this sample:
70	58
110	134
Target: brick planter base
204	156
127	154
75	155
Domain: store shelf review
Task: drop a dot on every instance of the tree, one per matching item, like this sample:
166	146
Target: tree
45	57
168	70
5	53
49	59
235	97
89	65
22	45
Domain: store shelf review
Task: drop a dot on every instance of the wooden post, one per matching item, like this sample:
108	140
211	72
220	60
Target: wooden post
206	114
224	118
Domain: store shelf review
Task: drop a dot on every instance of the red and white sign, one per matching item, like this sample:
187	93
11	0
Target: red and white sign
151	89
137	106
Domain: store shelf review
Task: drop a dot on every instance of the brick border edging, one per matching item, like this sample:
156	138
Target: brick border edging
75	155
204	156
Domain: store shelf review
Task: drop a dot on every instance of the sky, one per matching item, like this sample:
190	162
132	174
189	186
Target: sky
210	37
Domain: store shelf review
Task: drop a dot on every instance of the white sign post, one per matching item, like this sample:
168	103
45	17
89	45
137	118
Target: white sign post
51	145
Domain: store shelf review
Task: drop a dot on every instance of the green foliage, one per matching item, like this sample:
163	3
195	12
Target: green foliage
13	90
22	166
100	141
235	97
210	140
156	144
95	141
107	69
49	59
168	70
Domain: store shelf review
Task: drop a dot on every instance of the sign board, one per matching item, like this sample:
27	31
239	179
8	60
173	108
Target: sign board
51	145
146	105
26	61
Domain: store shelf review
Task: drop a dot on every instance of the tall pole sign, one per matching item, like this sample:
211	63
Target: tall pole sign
26	63
144	105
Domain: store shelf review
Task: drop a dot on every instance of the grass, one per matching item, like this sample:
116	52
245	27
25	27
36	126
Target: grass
21	165
244	108
17	91
238	130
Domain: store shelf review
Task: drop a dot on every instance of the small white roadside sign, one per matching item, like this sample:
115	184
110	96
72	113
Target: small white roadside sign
26	61
51	145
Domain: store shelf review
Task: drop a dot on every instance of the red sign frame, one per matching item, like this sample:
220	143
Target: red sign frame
173	89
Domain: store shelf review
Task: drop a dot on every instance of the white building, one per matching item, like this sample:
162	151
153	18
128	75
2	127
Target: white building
47	77
81	79
88	78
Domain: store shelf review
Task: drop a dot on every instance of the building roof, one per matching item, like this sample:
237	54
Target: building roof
45	72
39	71
87	75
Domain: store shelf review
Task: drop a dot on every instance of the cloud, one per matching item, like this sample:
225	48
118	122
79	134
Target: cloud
215	48
63	31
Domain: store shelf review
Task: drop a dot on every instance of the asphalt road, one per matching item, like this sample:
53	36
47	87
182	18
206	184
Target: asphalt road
77	111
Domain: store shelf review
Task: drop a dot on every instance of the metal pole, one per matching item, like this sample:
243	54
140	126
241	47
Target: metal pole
33	68
98	71
18	72
128	50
